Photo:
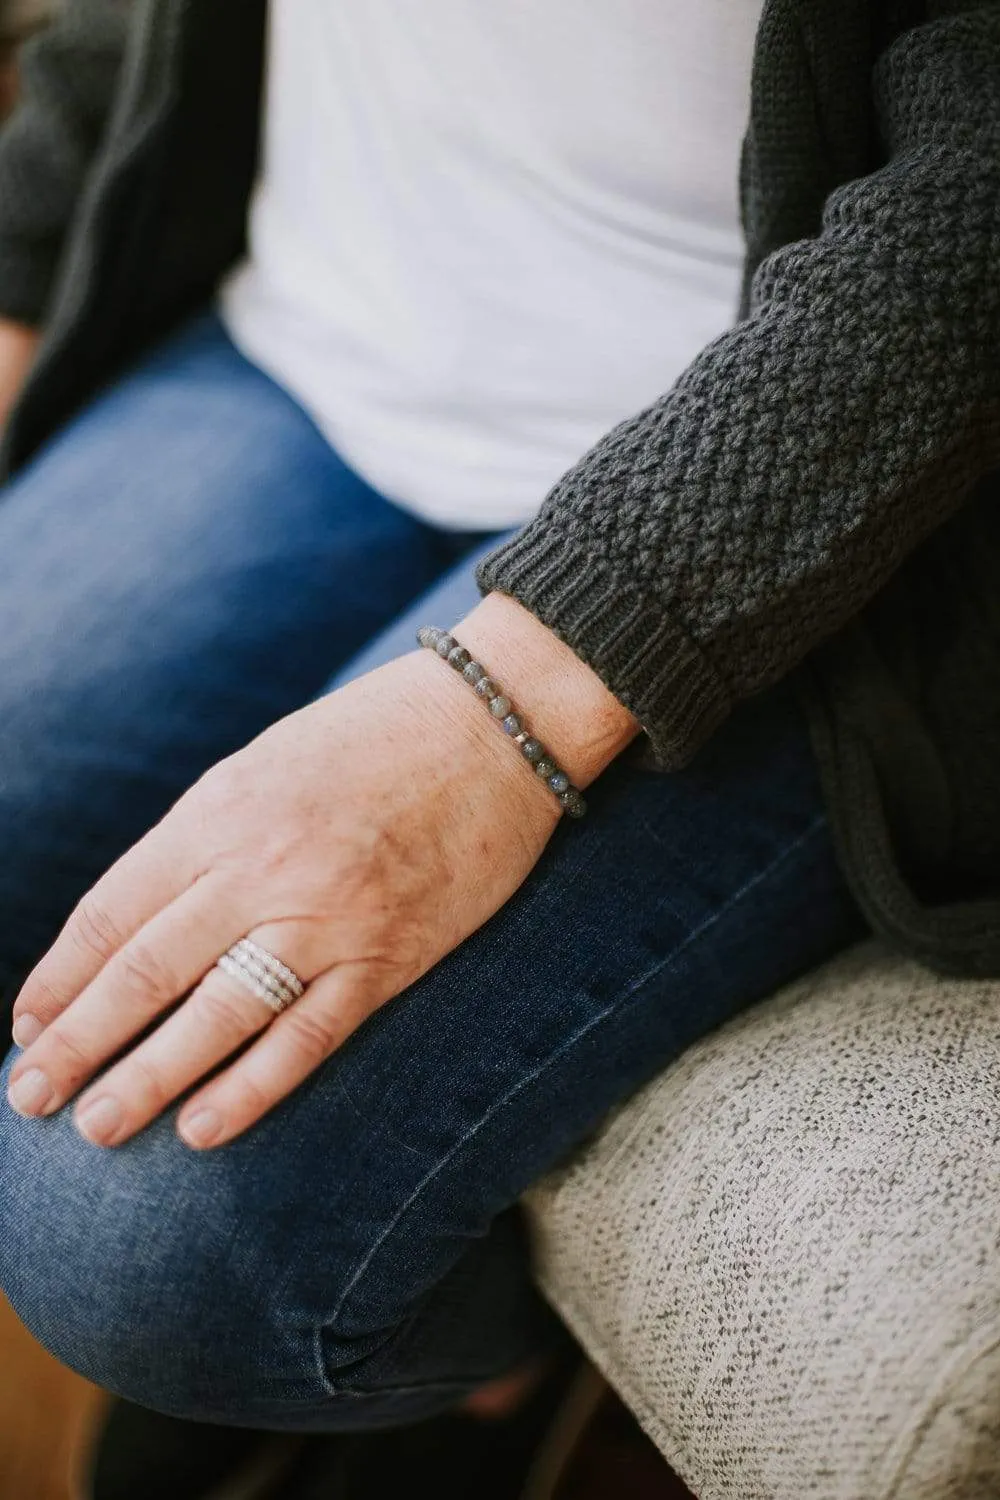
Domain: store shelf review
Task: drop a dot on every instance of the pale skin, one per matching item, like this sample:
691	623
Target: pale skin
360	839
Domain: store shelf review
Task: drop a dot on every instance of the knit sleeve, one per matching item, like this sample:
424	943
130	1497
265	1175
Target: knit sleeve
707	544
68	74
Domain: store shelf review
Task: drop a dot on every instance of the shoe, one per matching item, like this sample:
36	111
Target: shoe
451	1457
141	1455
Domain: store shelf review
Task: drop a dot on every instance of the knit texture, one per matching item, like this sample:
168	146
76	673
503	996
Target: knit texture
783	1251
707	544
787	503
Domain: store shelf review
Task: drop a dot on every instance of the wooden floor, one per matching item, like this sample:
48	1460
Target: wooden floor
47	1418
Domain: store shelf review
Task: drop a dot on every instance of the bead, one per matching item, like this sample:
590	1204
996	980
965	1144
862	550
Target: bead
445	645
572	803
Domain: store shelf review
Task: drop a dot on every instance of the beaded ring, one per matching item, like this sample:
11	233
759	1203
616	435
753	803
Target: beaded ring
569	797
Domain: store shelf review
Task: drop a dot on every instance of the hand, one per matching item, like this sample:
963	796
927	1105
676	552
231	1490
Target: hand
360	840
18	346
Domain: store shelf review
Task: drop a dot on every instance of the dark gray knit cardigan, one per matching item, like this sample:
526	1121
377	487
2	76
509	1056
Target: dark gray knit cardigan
815	496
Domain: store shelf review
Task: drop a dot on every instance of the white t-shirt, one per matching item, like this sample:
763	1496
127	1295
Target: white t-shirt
488	230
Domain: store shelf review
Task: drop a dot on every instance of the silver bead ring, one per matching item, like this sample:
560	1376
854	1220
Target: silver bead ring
263	974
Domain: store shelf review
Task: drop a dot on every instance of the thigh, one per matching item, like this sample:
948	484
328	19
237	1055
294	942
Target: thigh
291	1263
185	563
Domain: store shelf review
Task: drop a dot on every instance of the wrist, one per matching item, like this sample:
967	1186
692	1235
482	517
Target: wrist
447	712
563	701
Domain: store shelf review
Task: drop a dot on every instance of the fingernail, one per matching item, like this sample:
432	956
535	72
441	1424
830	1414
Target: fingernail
100	1122
31	1093
27	1029
201	1128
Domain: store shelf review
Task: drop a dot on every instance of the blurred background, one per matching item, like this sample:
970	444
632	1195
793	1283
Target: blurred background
18	18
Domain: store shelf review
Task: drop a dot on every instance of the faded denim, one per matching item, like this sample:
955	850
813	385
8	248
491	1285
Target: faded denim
185	563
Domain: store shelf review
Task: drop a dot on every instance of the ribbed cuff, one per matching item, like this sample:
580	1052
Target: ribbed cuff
650	664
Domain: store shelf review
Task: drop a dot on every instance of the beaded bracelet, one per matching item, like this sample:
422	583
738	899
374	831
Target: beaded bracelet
568	796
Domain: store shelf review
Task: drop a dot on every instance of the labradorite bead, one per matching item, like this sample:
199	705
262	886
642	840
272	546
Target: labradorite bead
445	645
572	803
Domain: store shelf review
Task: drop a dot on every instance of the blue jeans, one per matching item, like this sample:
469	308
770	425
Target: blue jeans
187	561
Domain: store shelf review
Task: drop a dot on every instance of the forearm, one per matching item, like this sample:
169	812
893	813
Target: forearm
708	544
565	703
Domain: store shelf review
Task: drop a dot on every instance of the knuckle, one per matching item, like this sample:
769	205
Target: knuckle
70	1053
315	1036
220	1009
43	997
222	789
278	854
210	809
144	1073
94	931
254	1100
145	977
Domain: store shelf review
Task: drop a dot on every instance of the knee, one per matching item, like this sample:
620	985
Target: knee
132	1267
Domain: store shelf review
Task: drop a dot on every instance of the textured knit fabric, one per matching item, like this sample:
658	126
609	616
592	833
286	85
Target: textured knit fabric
783	1253
772	492
787	501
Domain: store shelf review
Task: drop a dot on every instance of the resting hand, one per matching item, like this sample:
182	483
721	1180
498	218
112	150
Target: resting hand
360	840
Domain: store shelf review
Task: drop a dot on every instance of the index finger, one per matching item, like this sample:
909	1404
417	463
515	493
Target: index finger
137	886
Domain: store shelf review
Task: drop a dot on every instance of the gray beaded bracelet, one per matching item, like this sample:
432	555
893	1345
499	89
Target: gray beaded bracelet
568	796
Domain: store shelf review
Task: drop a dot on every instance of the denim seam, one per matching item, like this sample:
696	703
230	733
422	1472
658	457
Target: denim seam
635	985
629	992
439	1167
